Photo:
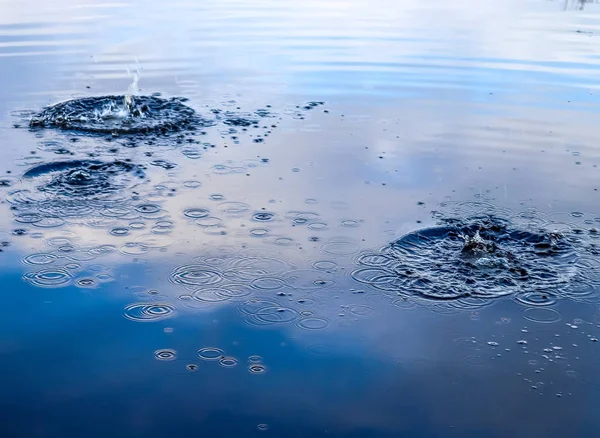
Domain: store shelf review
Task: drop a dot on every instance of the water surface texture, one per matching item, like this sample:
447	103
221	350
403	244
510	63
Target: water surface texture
299	219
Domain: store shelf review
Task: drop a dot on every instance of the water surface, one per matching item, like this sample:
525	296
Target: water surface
317	218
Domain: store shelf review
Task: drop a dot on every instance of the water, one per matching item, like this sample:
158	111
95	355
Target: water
349	219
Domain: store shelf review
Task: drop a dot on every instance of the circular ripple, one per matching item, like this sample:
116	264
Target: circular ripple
148	311
538	299
196	275
49	278
87	179
234	208
313	323
196	213
479	258
263	216
39	259
257	368
120	114
542	315
340	246
208	221
228	362
211	353
165	355
273	315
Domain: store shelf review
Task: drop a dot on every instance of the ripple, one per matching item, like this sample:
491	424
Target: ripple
208	221
210	353
120	114
196	275
313	323
39	259
165	355
234	208
542	315
308	279
196	213
263	216
472	260
535	298
272	315
268	283
148	209
228	362
119	231
259	232
84	178
148	311
49	278
210	295
257	368
86	282
340	246
325	265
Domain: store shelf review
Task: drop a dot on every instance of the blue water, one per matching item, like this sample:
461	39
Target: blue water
223	278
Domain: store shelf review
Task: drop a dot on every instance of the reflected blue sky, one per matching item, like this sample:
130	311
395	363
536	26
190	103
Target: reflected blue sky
425	104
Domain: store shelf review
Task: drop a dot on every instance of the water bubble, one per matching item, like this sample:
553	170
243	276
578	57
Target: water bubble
263	427
165	355
49	278
211	353
143	312
255	359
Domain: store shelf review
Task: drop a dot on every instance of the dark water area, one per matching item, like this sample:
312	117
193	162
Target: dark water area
299	219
